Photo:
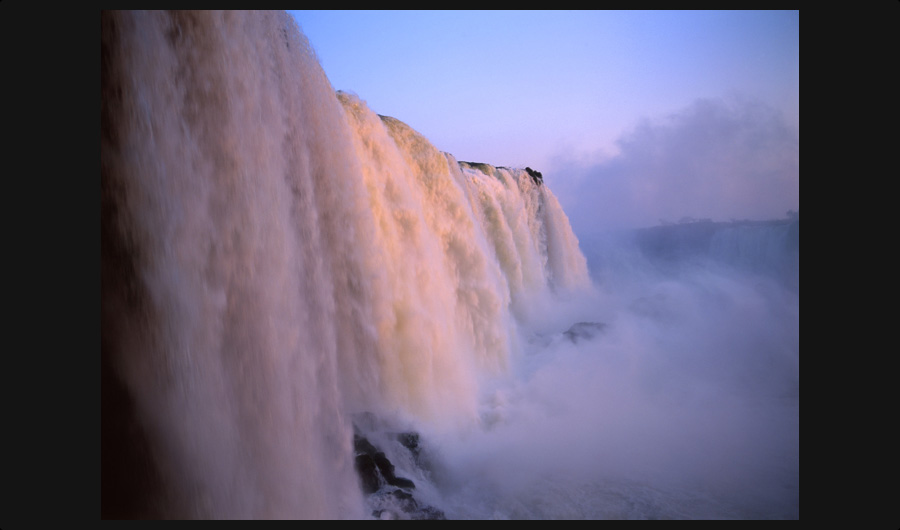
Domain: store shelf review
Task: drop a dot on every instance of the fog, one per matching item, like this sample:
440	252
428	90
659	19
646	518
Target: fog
717	159
685	403
679	397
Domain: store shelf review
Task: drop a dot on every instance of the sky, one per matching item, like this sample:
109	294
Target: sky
633	117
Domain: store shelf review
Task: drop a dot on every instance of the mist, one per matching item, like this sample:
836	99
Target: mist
685	403
718	159
286	274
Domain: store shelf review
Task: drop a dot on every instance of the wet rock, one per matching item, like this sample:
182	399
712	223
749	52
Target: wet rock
535	176
368	473
584	331
374	468
389	496
400	504
409	440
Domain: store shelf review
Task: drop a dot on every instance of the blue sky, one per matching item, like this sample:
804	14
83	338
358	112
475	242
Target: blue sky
571	93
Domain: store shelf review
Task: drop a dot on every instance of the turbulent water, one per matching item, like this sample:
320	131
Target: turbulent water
281	265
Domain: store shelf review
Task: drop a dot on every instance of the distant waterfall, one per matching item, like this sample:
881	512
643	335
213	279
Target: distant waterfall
770	248
276	257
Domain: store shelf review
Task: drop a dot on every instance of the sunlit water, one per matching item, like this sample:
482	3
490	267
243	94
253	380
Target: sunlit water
278	261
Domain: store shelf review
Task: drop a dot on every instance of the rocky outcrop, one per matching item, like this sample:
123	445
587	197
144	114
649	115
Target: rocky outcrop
487	169
390	496
374	468
400	504
535	176
584	331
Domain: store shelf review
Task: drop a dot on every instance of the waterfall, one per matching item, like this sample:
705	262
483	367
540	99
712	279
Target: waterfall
276	258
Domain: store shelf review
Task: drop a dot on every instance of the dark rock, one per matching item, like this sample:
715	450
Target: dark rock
535	176
374	468
405	500
377	473
401	482
409	440
429	513
399	504
584	331
362	445
368	473
487	169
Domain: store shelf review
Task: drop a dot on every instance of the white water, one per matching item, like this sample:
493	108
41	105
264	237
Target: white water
285	259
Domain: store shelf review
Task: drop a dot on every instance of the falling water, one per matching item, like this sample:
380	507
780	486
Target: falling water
276	258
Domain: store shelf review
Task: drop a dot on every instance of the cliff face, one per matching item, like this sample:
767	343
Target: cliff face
766	247
275	258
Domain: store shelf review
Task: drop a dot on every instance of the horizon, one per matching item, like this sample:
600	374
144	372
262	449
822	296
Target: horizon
632	116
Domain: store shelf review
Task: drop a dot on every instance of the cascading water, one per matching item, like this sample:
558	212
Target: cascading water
275	259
